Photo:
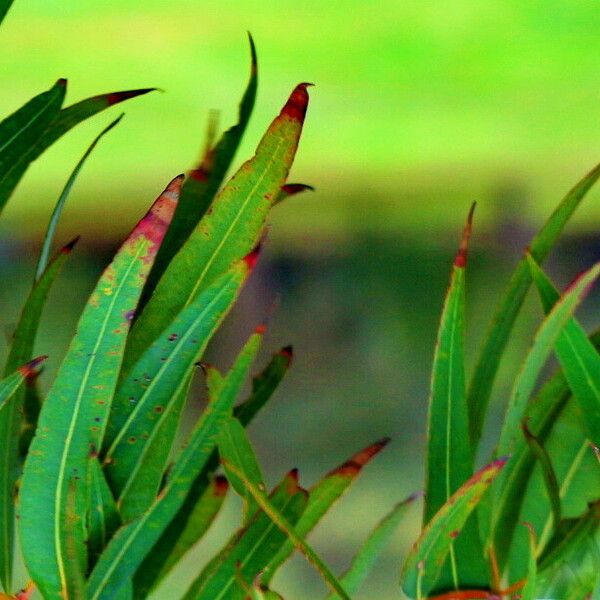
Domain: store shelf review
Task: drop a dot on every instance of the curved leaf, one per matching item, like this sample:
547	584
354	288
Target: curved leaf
74	415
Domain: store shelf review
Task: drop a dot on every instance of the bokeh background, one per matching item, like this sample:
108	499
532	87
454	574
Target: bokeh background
419	109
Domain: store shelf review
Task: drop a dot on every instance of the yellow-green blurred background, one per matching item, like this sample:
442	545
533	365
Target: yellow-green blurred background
419	109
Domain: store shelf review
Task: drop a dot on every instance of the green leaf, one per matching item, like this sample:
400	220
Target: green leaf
12	419
365	558
528	591
145	401
449	452
56	213
425	561
510	303
75	412
175	542
235	449
62	122
103	517
245	556
571	569
280	520
321	498
22	131
203	182
130	545
544	340
577	356
229	231
4	6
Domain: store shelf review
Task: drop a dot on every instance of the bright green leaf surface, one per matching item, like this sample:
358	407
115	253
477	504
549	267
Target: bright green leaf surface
508	307
75	412
528	591
425	561
130	545
229	231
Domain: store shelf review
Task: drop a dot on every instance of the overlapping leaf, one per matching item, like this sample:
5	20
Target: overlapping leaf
75	412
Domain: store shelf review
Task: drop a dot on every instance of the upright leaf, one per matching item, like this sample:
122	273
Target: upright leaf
130	545
62	122
229	231
577	356
203	182
449	452
154	391
528	591
251	548
321	498
182	532
23	130
510	303
426	559
74	415
365	558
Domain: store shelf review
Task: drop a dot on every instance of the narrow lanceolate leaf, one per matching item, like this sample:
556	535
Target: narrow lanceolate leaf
62	121
365	558
235	449
229	231
279	520
130	545
203	182
145	400
200	518
23	130
550	479
577	356
244	557
182	534
571	569
58	208
426	559
74	415
321	498
508	308
528	591
449	451
4	6
12	419
543	343
9	385
103	518
291	189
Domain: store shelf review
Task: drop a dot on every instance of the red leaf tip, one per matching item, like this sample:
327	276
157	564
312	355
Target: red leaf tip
353	465
295	107
62	82
295	188
294	474
67	248
252	257
29	369
287	352
261	329
221	485
461	257
116	97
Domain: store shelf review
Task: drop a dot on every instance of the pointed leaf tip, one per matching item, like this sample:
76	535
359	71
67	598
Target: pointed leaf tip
29	369
461	257
116	97
62	82
254	61
221	485
583	274
252	257
295	107
295	188
354	464
288	352
67	248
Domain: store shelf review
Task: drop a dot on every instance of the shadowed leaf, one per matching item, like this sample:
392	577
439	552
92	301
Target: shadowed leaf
4	6
291	189
75	412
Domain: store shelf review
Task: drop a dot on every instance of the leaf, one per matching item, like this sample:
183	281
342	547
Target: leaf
62	122
550	479
203	182
174	542
235	449
9	385
449	451
229	231
56	213
154	391
11	419
291	189
74	415
365	558
426	558
130	545
572	569
248	552
510	303
4	6
528	591
321	498
546	336
22	130
577	356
